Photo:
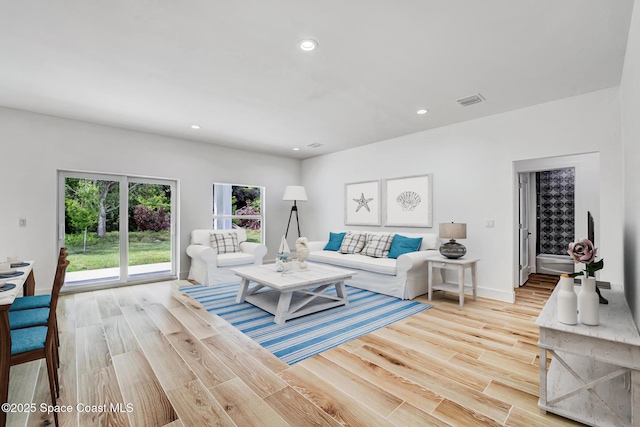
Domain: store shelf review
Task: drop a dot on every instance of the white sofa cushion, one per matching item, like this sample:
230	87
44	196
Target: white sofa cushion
234	259
225	243
357	261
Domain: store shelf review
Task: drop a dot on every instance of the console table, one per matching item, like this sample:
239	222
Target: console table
594	375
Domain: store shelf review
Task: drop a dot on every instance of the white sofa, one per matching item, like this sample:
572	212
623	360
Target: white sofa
404	277
210	268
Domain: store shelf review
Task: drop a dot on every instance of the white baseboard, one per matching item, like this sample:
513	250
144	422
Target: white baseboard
506	296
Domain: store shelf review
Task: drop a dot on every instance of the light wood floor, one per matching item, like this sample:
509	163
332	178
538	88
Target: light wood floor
175	364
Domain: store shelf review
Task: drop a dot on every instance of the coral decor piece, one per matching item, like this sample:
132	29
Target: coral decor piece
302	248
302	251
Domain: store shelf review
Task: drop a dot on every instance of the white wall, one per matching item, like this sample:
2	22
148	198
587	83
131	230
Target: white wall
473	169
34	147
630	111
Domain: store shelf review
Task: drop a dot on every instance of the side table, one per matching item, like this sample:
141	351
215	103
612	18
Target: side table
459	265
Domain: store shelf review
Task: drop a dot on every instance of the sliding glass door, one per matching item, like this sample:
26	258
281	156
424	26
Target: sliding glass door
149	234
117	229
91	228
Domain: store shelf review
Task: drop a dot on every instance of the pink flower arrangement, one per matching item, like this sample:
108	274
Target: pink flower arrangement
583	252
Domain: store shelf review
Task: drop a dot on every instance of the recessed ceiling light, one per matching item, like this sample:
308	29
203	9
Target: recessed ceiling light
296	149
307	45
195	127
422	111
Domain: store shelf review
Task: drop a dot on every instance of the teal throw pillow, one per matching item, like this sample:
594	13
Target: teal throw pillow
402	245
335	241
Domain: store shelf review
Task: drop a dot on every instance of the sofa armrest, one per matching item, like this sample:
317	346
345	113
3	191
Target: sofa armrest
206	254
317	245
258	250
416	259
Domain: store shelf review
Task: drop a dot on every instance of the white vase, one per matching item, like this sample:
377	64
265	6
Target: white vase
588	302
567	301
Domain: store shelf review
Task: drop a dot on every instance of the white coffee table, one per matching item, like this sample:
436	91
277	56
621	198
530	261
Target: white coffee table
294	293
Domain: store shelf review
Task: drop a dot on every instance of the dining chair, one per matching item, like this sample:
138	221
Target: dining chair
41	302
36	301
38	342
27	318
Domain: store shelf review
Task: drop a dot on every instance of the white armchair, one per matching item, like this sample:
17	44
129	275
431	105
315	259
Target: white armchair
210	268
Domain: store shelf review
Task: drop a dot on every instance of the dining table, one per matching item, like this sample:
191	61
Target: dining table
25	284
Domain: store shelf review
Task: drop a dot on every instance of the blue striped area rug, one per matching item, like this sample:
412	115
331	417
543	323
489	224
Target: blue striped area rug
306	336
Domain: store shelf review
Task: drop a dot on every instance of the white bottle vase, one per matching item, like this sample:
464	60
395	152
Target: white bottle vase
588	302
567	301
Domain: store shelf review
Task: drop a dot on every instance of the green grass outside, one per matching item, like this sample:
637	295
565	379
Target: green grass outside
253	235
145	247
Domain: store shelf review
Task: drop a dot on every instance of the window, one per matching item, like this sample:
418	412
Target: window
239	206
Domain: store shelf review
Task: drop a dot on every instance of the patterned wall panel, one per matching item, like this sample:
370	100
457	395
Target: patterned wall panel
555	210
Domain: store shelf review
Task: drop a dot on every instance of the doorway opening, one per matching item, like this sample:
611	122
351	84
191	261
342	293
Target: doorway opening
552	193
555	220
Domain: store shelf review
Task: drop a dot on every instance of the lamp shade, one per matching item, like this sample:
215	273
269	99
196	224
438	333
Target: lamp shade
294	192
452	230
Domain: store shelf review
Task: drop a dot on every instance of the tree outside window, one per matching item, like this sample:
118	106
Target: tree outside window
239	206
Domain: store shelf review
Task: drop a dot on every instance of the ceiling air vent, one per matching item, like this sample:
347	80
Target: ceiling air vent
314	145
470	100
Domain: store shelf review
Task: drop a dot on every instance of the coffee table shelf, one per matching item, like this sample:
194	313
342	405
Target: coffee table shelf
292	294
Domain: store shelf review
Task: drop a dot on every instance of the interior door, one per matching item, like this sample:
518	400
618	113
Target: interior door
525	267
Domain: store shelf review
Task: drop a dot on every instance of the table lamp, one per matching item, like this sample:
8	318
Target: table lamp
453	249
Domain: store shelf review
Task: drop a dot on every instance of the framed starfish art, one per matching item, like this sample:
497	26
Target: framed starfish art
362	203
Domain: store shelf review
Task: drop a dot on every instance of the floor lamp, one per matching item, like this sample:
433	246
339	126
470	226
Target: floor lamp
295	193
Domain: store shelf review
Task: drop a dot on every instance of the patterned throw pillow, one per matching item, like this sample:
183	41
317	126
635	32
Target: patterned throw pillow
225	243
353	243
378	245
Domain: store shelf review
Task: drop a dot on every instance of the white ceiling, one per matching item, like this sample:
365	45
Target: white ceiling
233	67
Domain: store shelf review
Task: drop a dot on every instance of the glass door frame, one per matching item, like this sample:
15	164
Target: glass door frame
123	181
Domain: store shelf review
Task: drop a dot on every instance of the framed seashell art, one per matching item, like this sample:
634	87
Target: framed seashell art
409	201
362	203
